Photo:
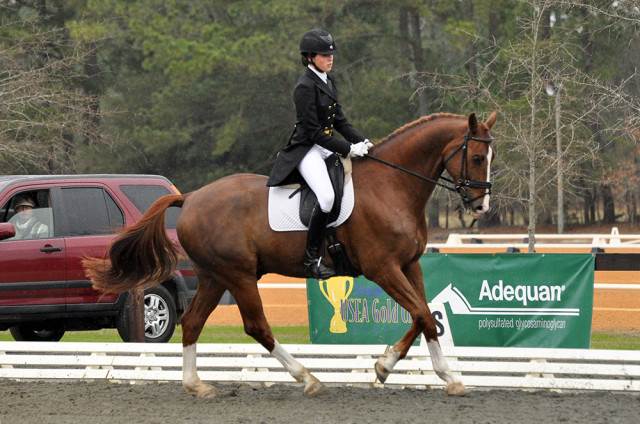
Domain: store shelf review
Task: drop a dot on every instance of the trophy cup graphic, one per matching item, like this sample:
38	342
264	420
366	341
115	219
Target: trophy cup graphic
335	293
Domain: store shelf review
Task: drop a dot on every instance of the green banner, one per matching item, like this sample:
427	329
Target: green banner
525	300
344	310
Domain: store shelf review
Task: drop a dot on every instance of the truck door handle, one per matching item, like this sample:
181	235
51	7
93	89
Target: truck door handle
47	249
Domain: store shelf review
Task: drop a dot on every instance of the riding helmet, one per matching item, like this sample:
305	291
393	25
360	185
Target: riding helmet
318	41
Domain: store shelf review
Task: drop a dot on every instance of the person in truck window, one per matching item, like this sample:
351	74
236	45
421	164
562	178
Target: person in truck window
27	225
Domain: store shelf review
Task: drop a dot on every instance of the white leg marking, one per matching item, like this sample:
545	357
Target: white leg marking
384	365
190	380
312	386
485	201
440	365
391	358
189	372
294	367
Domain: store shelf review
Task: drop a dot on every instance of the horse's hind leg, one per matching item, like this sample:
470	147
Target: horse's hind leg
255	325
204	302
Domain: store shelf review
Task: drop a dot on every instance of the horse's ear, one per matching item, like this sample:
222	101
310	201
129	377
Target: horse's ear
473	122
492	119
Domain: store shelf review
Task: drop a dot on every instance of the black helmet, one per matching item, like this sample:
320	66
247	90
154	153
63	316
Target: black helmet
318	41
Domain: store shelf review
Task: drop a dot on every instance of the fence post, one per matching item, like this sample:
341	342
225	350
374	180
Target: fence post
136	314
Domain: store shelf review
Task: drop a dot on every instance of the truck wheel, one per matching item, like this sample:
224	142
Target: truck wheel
160	316
24	333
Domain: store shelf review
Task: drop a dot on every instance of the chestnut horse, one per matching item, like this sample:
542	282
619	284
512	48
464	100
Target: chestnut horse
224	229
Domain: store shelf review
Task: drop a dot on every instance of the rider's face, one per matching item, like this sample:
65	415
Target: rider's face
324	62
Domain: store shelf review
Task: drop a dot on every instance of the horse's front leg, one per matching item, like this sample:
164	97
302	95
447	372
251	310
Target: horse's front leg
393	354
440	366
454	385
411	296
397	285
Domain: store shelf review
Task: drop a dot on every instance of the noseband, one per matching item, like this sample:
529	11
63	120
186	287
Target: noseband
463	183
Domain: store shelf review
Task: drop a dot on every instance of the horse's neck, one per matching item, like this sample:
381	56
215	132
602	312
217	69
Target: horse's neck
419	149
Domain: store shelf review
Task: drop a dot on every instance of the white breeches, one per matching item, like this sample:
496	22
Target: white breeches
314	171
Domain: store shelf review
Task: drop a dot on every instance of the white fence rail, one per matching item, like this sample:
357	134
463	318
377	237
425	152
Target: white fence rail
615	240
571	369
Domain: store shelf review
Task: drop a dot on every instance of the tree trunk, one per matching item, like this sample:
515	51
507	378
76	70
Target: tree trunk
405	51
472	63
560	170
609	210
418	56
592	206
461	217
92	87
587	202
433	213
489	219
633	213
532	149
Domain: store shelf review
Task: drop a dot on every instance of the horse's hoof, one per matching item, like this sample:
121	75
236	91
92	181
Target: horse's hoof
381	372
315	388
456	389
204	391
210	393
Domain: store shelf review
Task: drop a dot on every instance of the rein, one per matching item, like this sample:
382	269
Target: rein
460	187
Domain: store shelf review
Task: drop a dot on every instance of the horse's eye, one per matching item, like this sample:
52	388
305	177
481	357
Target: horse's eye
477	160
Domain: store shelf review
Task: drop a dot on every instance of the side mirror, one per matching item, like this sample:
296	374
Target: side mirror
7	230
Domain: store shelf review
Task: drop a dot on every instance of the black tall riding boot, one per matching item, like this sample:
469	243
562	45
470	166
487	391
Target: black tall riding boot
314	268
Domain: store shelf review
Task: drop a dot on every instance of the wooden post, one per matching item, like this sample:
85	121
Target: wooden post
136	312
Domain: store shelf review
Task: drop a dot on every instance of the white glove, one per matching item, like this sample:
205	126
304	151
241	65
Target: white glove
368	143
359	149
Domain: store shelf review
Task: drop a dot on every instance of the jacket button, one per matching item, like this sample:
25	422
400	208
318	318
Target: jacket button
329	107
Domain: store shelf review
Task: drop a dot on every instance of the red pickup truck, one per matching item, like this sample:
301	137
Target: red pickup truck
48	224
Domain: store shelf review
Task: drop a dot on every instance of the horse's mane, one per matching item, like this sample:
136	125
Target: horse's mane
420	121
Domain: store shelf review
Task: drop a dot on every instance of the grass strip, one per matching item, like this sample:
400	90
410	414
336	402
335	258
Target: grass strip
300	335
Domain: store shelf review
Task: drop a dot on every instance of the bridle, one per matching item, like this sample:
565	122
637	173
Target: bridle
463	183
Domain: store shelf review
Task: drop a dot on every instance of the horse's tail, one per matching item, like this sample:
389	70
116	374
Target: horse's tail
141	256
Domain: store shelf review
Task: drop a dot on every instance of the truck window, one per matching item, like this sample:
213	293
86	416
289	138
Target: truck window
34	223
143	196
89	211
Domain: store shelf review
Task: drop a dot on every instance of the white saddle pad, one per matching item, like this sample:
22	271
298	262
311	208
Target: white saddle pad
284	213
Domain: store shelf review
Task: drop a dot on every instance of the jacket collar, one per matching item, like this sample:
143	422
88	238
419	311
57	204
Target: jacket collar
321	84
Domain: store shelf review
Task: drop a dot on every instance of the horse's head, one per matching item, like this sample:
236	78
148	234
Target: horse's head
468	159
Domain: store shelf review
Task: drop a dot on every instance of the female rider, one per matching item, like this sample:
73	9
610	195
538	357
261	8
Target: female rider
318	114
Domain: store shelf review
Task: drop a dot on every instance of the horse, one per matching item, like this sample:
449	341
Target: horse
223	228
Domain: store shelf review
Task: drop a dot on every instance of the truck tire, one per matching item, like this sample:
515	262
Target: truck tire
25	333
160	316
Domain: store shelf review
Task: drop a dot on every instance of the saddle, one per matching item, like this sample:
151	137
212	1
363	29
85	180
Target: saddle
308	201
